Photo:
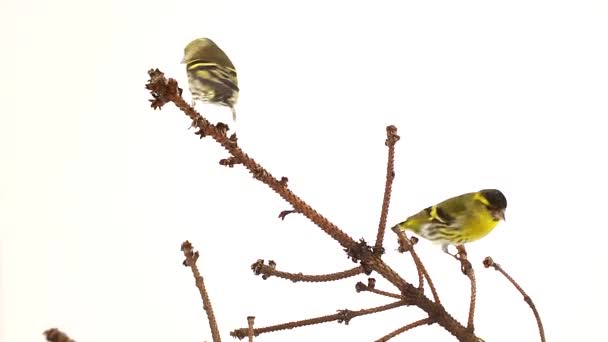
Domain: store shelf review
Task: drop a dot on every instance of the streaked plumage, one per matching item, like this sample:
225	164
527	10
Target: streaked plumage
460	219
211	75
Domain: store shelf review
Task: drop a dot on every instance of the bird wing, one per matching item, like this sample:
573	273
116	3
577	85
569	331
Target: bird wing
451	211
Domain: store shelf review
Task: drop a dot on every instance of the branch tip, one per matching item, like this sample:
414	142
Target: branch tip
488	262
230	161
191	258
284	213
391	135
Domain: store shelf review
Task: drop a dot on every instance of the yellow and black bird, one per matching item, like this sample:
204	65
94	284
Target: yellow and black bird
211	74
460	219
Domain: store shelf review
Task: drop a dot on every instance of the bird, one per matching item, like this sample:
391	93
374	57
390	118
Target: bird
211	75
458	220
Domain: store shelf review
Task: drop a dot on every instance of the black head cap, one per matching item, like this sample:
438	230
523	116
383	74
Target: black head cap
495	197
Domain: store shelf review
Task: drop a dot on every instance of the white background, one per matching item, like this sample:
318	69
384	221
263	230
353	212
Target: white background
98	191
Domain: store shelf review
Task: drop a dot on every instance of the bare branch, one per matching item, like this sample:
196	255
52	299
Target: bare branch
191	258
468	270
371	287
56	335
343	316
488	262
391	140
269	270
166	90
406	244
404	329
250	321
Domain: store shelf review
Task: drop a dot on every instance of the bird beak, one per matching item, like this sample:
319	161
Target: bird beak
501	215
183	60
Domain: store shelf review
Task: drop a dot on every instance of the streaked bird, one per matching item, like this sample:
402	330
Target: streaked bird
211	74
460	219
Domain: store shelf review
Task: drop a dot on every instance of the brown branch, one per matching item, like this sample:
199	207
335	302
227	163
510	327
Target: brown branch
284	213
269	270
488	262
404	329
405	244
250	321
230	161
191	258
56	335
343	316
371	287
391	140
166	90
468	270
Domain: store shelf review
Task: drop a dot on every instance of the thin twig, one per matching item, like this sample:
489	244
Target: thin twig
269	270
488	262
250	321
284	213
165	90
191	258
343	316
371	287
230	161
468	270
391	140
56	335
407	245
404	329
384	293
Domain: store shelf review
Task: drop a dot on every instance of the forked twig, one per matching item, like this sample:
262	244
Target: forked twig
488	262
406	244
404	329
191	258
343	316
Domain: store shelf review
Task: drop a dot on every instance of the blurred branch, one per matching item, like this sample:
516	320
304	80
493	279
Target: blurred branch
230	161
191	258
56	335
269	270
405	328
488	262
250	321
391	140
343	316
